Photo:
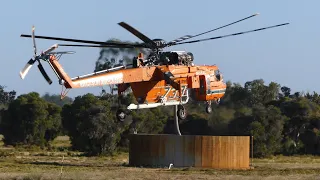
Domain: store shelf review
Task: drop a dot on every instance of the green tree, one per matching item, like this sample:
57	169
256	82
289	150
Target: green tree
272	121
315	97
285	91
311	137
91	125
301	112
149	120
265	124
56	99
31	120
260	93
6	97
236	96
219	120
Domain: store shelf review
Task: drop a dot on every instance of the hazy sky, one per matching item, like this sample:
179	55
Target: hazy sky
288	55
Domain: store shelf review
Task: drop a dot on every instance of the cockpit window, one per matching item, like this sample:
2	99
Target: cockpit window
217	74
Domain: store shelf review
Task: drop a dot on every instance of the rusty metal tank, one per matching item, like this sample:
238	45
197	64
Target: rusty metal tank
218	152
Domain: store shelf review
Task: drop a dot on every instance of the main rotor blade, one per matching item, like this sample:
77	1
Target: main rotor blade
99	46
235	34
44	74
84	41
138	34
189	36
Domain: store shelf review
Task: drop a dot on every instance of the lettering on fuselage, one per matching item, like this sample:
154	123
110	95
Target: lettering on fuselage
103	80
200	73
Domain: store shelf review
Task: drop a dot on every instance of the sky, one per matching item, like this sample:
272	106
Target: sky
288	55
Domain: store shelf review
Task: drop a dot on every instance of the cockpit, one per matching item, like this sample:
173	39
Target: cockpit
218	74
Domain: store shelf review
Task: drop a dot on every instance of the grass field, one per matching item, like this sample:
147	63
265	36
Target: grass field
22	164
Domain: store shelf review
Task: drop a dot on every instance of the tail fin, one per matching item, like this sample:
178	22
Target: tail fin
60	72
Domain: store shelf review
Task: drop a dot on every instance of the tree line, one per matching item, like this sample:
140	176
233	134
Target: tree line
280	121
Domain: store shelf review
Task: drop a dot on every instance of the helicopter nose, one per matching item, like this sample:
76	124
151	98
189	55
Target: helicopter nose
223	85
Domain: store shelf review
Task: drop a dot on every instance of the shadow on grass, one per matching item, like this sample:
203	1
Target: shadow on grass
48	163
258	170
78	165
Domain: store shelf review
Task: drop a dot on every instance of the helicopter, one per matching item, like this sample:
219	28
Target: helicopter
163	78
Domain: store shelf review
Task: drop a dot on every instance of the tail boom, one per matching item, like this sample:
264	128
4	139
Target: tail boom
121	76
62	75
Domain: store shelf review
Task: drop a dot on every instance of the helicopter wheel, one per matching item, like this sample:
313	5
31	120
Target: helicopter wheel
181	113
121	115
208	109
218	101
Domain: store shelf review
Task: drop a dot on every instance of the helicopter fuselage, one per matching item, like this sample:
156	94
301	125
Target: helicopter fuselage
154	86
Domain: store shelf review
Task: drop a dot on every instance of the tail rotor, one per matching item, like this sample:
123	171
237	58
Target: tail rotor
35	58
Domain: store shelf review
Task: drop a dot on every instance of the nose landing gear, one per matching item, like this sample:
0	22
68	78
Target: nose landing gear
209	107
181	112
121	115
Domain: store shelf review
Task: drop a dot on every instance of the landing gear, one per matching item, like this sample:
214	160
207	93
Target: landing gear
181	112
176	120
218	101
208	109
121	115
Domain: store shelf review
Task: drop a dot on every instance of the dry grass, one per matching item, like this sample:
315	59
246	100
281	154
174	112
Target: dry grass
1	138
22	164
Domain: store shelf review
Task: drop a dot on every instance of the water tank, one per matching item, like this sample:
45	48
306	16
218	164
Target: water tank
219	152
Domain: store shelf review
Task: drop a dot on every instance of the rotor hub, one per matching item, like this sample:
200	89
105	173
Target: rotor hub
159	42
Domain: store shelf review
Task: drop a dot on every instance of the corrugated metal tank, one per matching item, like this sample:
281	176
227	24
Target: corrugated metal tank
220	152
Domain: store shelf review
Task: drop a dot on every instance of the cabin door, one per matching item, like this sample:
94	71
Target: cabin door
202	85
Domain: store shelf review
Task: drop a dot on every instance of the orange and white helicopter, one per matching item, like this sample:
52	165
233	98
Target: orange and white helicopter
161	79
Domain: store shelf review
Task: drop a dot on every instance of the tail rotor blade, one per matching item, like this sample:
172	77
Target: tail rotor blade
44	74
34	42
26	68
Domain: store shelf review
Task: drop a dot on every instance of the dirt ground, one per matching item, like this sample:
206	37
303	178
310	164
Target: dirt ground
37	164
